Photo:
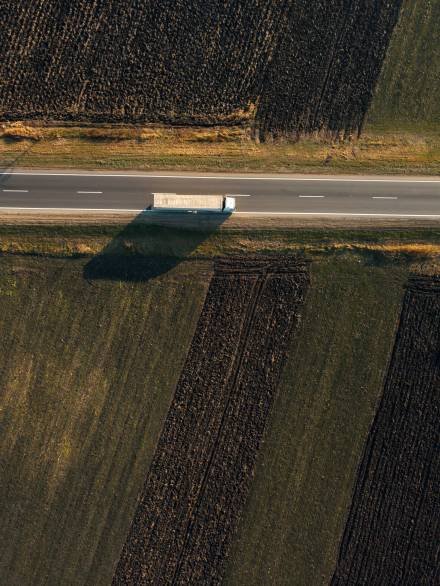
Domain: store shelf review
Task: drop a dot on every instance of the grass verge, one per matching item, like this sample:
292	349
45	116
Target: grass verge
76	241
381	149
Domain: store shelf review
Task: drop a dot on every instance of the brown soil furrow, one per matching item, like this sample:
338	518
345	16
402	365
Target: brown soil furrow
224	423
200	476
393	529
239	440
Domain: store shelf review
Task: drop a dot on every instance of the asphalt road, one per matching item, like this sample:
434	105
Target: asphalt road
259	195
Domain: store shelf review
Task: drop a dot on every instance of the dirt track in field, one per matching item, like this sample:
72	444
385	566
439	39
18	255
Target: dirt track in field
204	463
393	529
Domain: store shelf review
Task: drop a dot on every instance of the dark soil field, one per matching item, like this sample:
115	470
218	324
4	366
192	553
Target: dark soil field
294	67
392	534
200	476
325	66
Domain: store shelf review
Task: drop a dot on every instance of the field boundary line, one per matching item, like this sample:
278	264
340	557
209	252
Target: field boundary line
339	214
272	214
325	178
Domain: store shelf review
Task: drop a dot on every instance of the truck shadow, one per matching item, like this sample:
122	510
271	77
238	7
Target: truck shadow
151	245
8	166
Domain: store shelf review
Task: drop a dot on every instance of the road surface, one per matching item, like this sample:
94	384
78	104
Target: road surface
256	195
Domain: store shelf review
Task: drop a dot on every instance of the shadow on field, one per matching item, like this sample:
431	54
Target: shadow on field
152	245
15	162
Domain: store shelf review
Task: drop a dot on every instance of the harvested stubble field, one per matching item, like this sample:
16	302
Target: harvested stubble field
293	67
89	369
392	534
201	474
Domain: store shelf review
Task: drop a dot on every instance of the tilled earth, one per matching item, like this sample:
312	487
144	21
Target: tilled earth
295	67
393	530
204	463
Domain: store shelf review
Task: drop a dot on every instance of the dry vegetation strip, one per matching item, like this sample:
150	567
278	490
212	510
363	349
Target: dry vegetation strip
201	474
215	149
393	528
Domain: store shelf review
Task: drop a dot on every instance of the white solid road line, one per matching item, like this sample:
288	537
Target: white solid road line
339	214
316	214
15	190
228	177
113	210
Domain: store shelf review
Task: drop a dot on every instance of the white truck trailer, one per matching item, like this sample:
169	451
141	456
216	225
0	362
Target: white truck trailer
171	202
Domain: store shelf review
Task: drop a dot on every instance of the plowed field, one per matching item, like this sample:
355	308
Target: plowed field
393	529
201	473
297	66
325	66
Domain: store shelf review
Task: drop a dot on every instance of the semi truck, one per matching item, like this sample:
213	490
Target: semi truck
171	202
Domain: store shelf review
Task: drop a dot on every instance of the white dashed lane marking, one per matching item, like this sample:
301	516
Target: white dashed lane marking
15	190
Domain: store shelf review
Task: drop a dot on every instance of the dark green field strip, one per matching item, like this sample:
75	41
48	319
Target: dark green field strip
393	529
200	476
408	89
87	371
293	522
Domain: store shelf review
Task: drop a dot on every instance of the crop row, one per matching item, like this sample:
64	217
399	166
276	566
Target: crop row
298	66
201	473
393	529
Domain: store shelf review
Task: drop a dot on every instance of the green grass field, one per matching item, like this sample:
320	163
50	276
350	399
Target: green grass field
87	373
320	420
88	370
408	92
